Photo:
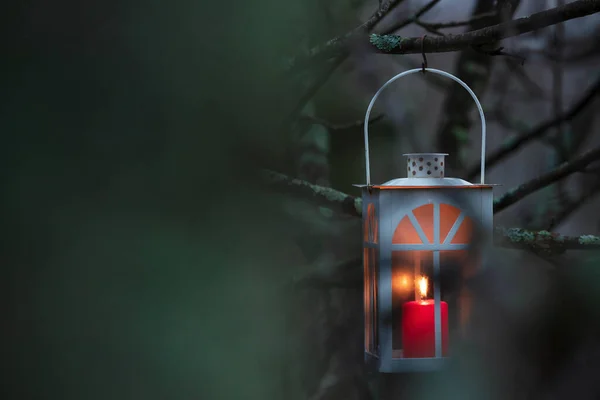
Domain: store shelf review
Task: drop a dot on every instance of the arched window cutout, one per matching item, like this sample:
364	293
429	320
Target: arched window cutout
370	227
406	233
424	217
464	233
449	215
455	228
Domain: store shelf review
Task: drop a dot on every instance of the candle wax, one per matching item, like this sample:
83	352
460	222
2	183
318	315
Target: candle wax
418	329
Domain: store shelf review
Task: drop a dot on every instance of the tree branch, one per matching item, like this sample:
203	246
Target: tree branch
349	274
473	68
414	18
337	46
538	131
455	24
517	238
393	44
346	274
328	197
331	55
574	204
567	168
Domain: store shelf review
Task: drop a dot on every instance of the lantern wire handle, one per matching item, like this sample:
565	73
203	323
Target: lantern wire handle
424	63
435	71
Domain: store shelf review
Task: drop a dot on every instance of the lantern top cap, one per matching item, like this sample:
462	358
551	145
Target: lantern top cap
425	165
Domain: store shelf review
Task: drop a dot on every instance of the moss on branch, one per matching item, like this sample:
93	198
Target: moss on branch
494	33
323	196
516	238
386	43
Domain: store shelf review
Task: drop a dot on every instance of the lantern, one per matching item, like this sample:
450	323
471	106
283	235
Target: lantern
413	227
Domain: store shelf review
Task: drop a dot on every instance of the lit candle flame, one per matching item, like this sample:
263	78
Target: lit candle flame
423	286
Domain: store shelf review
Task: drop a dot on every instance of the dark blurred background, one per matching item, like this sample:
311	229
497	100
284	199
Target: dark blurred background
139	259
142	258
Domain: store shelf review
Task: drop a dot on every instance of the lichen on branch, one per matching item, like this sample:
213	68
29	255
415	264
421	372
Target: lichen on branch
328	197
386	43
494	33
346	204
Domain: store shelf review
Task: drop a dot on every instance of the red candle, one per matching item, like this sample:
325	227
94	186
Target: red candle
418	329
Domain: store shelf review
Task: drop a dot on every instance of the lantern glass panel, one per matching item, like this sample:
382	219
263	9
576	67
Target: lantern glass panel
370	260
426	303
413	285
456	291
370	226
370	299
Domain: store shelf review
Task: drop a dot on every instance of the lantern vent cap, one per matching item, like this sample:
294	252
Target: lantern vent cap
425	165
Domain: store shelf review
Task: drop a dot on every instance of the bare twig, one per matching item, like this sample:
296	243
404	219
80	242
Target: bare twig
337	46
500	52
527	82
574	204
332	54
564	170
392	44
473	68
454	24
561	142
414	18
538	131
312	89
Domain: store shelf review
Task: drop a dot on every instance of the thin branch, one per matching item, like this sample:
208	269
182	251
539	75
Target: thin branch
564	170
573	205
412	19
312	89
348	274
340	127
538	131
334	53
392	44
454	24
527	82
352	206
474	68
331	198
430	30
517	238
337	46
500	52
345	273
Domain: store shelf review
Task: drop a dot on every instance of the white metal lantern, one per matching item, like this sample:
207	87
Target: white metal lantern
412	227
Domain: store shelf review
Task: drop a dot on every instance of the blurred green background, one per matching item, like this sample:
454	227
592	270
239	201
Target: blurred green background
140	260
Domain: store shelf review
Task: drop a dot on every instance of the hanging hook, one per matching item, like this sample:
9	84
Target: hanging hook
424	63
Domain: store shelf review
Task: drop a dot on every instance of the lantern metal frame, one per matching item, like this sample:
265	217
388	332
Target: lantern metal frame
380	196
